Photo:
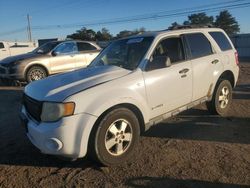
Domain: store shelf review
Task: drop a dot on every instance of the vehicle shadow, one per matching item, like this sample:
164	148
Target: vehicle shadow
4	82
197	124
166	182
242	91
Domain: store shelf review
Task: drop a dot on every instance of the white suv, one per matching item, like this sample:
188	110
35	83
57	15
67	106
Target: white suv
133	84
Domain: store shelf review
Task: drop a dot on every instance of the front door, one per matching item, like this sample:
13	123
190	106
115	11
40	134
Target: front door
64	57
168	87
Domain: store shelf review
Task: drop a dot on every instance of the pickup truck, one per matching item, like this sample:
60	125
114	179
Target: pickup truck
10	49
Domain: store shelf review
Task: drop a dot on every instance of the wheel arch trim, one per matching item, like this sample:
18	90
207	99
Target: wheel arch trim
27	68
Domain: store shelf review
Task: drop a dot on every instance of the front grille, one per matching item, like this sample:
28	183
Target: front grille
2	70
33	107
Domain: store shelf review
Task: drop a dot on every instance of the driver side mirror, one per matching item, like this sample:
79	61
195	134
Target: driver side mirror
158	62
54	53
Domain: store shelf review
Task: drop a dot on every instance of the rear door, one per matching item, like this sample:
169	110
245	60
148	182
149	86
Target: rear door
226	50
206	64
169	87
86	53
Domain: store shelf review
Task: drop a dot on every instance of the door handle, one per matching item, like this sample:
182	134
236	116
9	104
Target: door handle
3	50
183	71
215	61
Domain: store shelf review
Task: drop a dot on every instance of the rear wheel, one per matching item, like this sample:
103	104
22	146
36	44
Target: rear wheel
222	98
116	137
35	73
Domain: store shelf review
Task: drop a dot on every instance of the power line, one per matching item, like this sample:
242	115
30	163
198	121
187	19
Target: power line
142	17
66	4
22	29
234	4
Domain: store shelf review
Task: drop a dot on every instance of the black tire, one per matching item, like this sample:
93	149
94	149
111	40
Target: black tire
35	73
218	103
102	136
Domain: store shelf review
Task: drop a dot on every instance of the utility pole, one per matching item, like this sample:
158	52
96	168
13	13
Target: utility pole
29	29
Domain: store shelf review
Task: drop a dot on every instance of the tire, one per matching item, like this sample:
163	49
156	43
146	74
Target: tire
115	137
35	73
221	99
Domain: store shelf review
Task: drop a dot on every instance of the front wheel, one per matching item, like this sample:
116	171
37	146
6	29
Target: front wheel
116	137
222	98
35	73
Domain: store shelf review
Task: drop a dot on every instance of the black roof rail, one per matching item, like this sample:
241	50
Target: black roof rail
195	26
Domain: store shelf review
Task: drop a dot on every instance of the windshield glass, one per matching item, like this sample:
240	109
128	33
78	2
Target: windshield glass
125	53
46	48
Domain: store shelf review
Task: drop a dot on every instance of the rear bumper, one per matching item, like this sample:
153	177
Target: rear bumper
67	137
236	72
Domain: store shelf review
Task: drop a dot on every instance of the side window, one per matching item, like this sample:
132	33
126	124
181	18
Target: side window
221	40
199	45
66	48
83	46
172	48
1	45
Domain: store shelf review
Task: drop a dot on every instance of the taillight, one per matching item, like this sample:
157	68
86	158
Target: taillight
236	58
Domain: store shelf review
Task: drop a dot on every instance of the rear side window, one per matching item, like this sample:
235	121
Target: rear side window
199	45
1	45
83	46
221	40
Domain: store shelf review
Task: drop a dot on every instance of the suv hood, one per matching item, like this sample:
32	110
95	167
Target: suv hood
7	61
57	88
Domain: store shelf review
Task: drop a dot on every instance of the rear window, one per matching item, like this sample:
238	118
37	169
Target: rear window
199	45
1	45
221	40
83	46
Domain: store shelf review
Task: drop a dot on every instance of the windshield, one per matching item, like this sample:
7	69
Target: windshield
125	53
46	48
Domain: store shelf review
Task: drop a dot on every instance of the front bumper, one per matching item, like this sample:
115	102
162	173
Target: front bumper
67	137
11	73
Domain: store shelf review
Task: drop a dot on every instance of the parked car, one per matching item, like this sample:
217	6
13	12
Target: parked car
133	84
51	58
10	48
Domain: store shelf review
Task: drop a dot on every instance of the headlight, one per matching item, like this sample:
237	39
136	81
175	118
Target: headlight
15	63
54	111
12	64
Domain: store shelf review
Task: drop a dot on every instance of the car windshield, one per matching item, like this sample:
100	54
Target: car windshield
46	48
125	53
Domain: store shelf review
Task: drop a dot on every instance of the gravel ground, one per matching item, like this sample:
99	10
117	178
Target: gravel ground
193	149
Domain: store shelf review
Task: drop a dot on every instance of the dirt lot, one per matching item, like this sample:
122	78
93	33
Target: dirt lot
193	149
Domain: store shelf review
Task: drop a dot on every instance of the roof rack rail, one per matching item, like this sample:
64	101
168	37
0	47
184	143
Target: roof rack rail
194	26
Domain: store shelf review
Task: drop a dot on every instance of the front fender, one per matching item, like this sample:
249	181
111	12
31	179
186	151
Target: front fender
100	98
44	64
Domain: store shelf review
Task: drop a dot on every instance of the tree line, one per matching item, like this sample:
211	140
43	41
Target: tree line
224	21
